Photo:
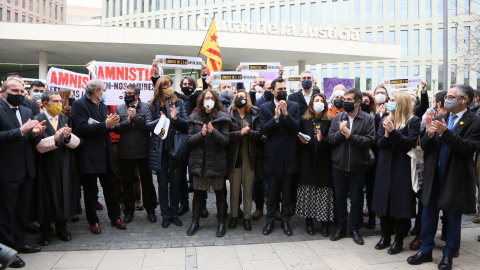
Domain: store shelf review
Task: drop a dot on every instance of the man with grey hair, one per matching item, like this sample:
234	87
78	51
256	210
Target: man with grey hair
92	123
302	98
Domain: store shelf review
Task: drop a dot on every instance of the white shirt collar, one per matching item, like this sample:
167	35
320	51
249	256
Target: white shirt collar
11	107
460	114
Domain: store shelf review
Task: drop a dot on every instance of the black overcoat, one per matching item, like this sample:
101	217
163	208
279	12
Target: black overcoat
393	194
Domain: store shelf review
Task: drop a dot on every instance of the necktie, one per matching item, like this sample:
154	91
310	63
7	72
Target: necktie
54	123
452	120
15	110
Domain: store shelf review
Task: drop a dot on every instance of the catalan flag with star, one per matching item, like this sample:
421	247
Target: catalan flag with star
211	49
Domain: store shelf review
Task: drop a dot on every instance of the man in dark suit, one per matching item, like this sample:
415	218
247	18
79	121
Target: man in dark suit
449	144
17	167
280	122
95	158
302	97
27	103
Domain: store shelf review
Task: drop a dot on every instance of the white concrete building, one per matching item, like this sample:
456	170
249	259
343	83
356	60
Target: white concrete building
416	25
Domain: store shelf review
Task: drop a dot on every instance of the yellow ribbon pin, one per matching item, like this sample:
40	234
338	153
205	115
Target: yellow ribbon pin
461	123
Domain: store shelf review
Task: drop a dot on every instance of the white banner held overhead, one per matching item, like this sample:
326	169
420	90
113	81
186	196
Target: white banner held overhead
117	76
261	67
401	83
233	76
60	78
170	61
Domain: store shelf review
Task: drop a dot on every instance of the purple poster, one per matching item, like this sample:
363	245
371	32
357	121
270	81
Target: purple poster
270	75
330	83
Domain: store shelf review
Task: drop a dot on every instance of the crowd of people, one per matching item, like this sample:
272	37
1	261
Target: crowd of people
302	154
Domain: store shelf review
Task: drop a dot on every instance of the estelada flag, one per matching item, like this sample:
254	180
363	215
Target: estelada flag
211	49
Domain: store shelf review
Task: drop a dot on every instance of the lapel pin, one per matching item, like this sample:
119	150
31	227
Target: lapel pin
461	123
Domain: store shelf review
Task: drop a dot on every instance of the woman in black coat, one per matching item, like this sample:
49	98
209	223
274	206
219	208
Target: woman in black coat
393	196
315	192
208	135
166	104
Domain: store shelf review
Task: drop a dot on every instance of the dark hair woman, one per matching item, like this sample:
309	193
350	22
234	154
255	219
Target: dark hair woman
315	192
68	97
393	196
208	135
166	104
242	155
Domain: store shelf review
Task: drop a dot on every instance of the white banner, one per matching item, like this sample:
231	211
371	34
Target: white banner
170	61
28	82
233	76
60	78
261	67
117	76
292	79
401	83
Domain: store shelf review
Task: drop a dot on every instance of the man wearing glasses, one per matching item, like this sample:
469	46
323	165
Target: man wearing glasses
449	144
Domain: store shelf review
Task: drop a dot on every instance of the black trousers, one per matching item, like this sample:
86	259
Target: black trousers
149	195
90	196
46	228
279	184
400	226
15	198
370	184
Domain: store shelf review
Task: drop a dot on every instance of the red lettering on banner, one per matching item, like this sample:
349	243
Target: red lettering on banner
63	78
54	78
84	82
140	73
72	82
110	73
133	75
121	75
100	73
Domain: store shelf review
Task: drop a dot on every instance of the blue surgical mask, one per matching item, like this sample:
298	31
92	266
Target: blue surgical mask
391	106
36	95
103	97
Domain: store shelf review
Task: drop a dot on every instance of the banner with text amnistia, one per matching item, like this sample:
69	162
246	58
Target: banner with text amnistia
117	76
60	78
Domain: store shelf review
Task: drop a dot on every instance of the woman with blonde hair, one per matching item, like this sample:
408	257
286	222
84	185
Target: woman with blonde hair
315	187
393	196
242	155
166	104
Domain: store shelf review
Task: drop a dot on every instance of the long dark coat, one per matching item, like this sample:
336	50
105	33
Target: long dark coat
458	190
209	152
315	157
393	194
57	177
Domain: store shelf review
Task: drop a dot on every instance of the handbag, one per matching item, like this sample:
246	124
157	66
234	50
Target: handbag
180	149
417	166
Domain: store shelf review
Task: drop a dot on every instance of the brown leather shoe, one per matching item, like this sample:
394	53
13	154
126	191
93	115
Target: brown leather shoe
415	244
476	218
257	214
119	224
457	254
95	229
278	215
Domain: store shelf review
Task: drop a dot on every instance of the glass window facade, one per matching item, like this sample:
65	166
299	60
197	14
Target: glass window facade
368	10
466	38
440	41
282	13
428	41
368	36
272	14
303	16
428	8
335	12
346	73
252	18
453	7
292	14
403	9
391	37
453	38
404	41
416	41
313	14
357	10
357	77
391	71
415	9
324	13
416	70
391	10
368	71
346	11
380	74
380	10
380	37
428	74
403	71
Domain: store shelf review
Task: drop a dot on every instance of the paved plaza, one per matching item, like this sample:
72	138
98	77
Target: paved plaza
145	245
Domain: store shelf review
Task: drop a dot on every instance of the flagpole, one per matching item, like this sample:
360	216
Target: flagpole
204	40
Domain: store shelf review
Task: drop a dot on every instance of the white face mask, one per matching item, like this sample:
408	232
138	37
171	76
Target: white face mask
258	95
318	107
208	104
380	98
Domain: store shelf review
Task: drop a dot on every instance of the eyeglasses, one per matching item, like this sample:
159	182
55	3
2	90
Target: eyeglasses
129	93
452	97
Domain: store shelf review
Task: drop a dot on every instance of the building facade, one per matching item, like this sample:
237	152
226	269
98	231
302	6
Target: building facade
416	25
33	11
78	14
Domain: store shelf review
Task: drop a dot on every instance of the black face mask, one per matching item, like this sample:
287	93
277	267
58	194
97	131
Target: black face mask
15	100
338	103
282	95
71	100
268	95
187	90
129	99
348	106
262	85
240	102
365	106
